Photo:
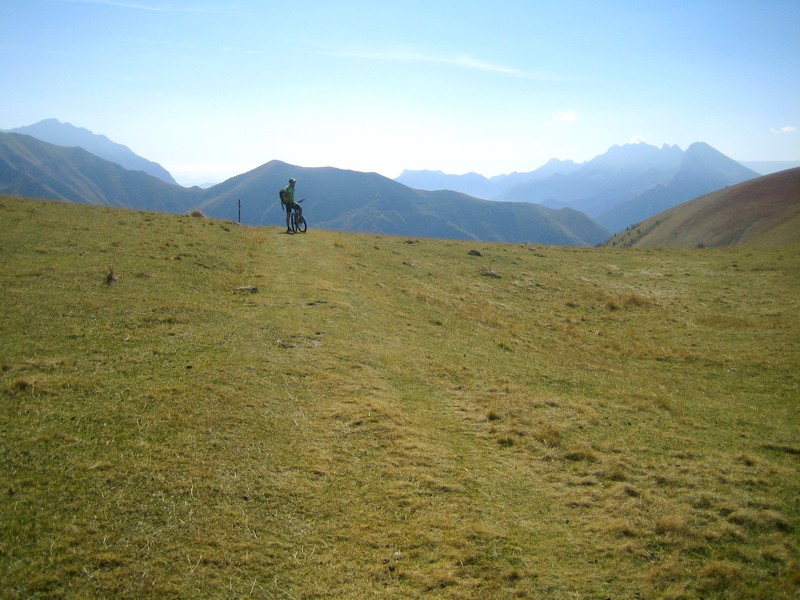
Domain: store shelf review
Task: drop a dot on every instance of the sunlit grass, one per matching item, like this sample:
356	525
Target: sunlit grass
387	417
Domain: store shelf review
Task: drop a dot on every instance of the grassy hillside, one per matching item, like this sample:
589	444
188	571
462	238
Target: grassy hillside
389	417
29	167
763	212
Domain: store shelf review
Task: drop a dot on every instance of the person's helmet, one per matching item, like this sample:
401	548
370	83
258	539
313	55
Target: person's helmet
292	181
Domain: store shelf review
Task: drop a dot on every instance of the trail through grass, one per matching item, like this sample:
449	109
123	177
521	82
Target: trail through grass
389	417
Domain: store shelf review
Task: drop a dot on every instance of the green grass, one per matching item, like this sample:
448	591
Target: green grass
389	417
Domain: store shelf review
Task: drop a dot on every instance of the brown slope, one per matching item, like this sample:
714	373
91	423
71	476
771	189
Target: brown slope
760	212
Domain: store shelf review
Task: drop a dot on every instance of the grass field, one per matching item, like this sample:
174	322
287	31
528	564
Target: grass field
389	417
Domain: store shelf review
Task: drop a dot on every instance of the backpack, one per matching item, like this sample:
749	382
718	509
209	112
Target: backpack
282	194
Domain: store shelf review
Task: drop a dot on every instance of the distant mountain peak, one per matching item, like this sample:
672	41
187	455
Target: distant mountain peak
57	133
407	172
66	132
557	161
702	156
703	149
637	157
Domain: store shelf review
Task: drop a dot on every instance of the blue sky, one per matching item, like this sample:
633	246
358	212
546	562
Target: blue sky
211	89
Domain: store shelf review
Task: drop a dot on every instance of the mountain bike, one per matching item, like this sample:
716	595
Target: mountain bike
297	221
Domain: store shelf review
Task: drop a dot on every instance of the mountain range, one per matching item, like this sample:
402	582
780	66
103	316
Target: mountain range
563	202
337	199
623	186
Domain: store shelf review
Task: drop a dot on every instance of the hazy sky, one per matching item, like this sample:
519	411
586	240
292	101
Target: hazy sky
210	88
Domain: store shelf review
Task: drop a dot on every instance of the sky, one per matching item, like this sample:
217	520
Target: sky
211	89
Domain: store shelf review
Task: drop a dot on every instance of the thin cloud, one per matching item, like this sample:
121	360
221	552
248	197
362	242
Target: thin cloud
637	139
121	4
566	116
784	129
156	7
464	61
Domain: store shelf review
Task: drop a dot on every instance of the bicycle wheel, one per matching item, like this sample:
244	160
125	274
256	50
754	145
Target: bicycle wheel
300	224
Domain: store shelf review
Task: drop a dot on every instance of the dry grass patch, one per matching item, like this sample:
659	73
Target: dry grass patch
549	434
760	519
677	524
627	301
581	452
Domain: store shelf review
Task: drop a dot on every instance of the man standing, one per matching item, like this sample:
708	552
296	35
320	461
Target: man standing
288	201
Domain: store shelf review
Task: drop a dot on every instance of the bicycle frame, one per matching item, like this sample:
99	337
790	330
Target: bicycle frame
297	221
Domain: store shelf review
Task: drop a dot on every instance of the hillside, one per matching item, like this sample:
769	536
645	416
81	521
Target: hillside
54	132
32	168
757	213
192	409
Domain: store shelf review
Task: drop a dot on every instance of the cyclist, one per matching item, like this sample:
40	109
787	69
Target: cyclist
289	203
